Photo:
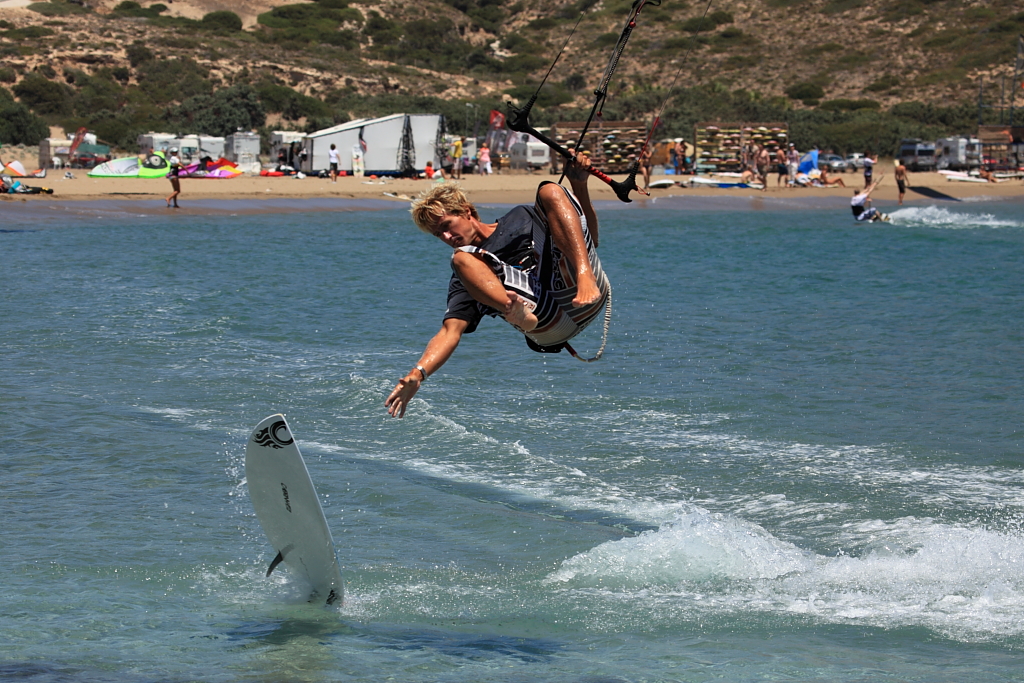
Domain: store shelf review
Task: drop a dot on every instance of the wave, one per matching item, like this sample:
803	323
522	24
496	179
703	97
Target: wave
941	217
967	583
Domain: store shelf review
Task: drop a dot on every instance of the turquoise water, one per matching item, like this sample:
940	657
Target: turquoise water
801	458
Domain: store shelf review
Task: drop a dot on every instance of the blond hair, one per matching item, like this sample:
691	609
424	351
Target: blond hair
441	200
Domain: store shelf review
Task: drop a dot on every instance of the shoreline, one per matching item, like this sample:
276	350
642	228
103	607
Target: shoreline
275	194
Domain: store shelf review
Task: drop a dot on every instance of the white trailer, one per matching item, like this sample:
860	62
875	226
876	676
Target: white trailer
158	142
288	142
243	149
398	144
528	152
958	153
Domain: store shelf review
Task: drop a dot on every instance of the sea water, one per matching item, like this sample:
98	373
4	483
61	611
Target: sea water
800	458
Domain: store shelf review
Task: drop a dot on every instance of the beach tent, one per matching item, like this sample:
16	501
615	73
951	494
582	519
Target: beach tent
392	145
428	140
808	162
126	167
317	145
15	169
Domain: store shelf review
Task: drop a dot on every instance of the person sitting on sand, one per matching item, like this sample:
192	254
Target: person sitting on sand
430	173
748	176
829	182
861	203
536	267
987	175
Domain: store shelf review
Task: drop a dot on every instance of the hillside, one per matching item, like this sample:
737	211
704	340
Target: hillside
119	67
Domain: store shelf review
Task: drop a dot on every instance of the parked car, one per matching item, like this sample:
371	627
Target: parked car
855	161
833	162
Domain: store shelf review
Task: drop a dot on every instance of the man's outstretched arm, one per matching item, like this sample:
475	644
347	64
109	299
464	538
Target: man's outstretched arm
439	350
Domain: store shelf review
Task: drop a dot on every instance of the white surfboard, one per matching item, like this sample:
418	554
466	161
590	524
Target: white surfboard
289	511
662	184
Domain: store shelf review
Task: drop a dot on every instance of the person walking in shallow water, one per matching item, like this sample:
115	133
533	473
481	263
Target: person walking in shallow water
172	174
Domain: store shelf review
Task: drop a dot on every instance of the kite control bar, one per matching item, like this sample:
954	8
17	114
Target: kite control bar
518	120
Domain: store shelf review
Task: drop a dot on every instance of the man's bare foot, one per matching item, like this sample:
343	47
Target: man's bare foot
519	312
587	292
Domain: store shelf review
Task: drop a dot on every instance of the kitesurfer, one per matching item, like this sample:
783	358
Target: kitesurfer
861	203
536	267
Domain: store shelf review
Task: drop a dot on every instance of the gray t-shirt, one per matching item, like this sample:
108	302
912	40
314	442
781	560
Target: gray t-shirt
512	242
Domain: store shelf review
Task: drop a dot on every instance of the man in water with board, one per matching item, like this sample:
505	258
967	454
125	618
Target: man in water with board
537	268
861	204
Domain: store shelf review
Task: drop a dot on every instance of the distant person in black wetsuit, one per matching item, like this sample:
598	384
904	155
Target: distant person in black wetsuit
537	268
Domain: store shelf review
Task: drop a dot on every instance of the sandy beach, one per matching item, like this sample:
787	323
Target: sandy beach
507	188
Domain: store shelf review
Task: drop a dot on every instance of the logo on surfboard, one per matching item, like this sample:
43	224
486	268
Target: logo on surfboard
274	436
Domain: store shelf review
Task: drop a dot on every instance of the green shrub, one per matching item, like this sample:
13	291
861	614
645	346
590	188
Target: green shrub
138	53
222	21
883	83
551	95
58	8
7	74
18	125
708	23
575	82
291	104
382	30
129	8
220	113
542	24
28	33
805	91
523	63
849	105
172	80
44	96
121	73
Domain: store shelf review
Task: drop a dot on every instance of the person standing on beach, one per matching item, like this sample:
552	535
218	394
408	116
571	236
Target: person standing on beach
333	158
869	167
781	167
792	163
484	160
172	174
457	157
763	159
645	167
536	267
902	181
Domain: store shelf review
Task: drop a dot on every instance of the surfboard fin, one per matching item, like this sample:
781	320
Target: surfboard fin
273	565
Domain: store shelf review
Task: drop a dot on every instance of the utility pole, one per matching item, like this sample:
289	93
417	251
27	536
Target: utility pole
1018	71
